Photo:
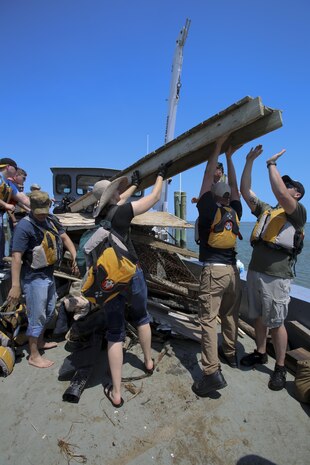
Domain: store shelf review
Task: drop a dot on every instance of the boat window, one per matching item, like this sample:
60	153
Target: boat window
138	194
63	184
85	183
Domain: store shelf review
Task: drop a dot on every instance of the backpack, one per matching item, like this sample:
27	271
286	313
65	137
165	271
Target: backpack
110	266
49	252
80	253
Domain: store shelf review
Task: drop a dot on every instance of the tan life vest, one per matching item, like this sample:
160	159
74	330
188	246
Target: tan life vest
224	229
5	190
274	229
50	250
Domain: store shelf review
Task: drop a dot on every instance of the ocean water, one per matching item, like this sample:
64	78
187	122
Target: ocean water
244	252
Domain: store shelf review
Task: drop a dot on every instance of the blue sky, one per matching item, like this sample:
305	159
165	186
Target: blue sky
86	82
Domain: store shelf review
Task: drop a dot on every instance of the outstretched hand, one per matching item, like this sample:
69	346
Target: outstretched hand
231	150
135	178
254	153
162	170
221	140
276	156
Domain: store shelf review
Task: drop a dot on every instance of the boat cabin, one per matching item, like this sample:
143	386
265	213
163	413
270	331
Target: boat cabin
72	183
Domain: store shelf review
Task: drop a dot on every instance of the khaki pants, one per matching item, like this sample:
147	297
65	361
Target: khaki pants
219	294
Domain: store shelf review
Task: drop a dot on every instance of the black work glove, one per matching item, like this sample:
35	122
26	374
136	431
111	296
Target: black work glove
135	178
162	170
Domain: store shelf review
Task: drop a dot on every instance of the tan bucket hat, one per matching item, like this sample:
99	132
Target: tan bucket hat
104	190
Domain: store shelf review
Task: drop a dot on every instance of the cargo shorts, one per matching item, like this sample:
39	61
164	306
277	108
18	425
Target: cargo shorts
268	297
115	308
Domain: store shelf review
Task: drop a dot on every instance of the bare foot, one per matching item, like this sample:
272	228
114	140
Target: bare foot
47	345
40	362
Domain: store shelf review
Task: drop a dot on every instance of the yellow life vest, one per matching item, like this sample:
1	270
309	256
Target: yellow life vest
5	190
224	229
49	251
274	229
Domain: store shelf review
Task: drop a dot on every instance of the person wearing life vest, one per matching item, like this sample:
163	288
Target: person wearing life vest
9	196
37	245
111	194
17	180
276	240
220	211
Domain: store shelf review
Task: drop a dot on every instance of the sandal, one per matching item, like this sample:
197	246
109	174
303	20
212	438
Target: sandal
150	371
107	391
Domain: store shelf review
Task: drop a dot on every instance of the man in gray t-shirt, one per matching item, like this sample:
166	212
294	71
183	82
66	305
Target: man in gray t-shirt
276	240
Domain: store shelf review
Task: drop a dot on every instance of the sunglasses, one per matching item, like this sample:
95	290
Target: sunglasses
289	185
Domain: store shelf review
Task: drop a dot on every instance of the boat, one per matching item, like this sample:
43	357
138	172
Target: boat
162	420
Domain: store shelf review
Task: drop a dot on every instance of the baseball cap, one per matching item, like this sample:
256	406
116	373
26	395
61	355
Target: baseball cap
40	202
220	166
7	161
300	188
221	189
35	187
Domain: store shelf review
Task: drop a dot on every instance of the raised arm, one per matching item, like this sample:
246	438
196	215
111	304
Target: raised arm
145	203
285	199
232	178
246	178
135	182
207	180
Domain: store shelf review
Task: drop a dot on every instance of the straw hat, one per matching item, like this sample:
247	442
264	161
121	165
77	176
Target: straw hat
104	190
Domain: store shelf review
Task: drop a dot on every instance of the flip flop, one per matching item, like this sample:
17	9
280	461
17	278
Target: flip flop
107	391
150	371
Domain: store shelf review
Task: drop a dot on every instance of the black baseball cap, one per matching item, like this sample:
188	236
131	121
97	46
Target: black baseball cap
220	166
7	161
300	188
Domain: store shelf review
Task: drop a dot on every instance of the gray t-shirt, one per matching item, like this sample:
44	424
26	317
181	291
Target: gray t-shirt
275	262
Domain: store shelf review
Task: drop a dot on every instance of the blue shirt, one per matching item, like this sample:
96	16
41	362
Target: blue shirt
26	237
11	185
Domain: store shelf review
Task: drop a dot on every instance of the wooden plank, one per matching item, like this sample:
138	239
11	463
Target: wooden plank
182	323
245	123
69	277
244	120
158	244
249	330
161	219
83	202
300	328
293	356
73	221
169	285
301	333
186	328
